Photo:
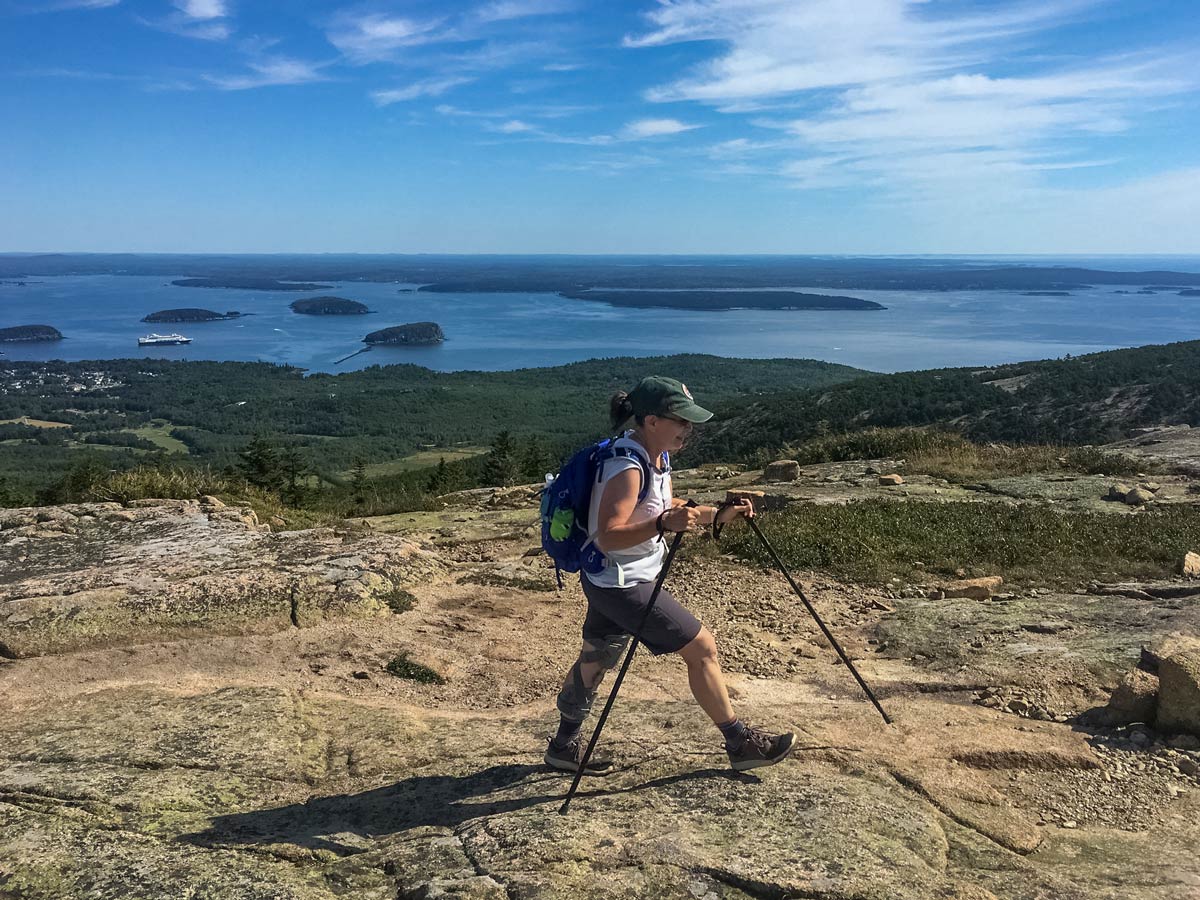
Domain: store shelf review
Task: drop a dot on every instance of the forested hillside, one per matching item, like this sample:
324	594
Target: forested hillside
135	411
1087	399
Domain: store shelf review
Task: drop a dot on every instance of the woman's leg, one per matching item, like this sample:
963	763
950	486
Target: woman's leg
705	679
578	694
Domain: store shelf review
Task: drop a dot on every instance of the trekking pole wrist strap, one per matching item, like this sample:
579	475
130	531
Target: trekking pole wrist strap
716	524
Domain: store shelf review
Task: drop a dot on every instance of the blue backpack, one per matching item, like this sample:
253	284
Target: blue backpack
566	503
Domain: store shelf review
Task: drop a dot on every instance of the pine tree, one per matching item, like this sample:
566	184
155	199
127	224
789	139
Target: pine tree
501	467
358	480
533	461
440	479
260	464
294	469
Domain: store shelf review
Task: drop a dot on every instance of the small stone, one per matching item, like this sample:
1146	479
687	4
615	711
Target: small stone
1185	742
890	480
1070	823
1189	566
1138	497
782	470
361	676
973	588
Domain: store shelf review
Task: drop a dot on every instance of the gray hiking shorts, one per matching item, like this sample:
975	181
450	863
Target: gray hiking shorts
619	610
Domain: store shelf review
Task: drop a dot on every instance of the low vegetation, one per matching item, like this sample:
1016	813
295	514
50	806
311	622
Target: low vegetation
949	455
879	539
403	667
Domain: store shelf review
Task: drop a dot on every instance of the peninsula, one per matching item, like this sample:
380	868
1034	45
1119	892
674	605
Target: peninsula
718	300
329	306
412	335
190	314
29	333
249	283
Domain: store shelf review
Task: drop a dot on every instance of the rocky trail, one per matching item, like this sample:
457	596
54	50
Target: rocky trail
196	706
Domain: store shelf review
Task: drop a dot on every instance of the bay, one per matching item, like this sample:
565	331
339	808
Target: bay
100	317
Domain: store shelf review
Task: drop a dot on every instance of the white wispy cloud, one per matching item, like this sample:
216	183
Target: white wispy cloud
206	20
502	10
429	87
203	10
646	128
901	96
272	72
374	37
62	5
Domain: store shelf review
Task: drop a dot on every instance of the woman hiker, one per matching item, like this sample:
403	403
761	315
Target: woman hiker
630	533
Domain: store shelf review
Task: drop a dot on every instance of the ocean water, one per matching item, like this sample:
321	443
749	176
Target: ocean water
99	317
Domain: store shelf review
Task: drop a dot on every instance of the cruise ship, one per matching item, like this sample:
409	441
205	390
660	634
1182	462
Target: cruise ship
158	340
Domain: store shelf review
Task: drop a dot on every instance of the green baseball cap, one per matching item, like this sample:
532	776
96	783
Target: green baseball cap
659	396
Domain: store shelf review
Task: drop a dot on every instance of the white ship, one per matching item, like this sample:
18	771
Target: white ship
158	340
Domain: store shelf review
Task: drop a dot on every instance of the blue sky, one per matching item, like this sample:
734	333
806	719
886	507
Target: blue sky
656	126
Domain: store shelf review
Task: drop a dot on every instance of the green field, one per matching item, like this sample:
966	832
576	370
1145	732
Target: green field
423	459
34	423
159	433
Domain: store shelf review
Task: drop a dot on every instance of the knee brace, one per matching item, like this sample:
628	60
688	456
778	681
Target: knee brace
576	698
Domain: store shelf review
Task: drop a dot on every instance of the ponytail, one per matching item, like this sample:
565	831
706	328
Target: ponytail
620	408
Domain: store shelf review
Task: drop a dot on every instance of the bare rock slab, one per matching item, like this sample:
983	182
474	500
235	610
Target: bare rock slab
106	576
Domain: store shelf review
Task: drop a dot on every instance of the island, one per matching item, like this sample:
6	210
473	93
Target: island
250	283
411	335
329	306
1190	292
29	333
1045	293
717	300
190	315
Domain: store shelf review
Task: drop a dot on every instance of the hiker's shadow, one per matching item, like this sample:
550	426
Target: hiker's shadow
339	822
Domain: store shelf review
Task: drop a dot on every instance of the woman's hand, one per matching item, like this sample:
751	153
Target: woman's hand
739	507
682	518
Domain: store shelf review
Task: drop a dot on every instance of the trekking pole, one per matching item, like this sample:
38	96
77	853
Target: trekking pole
621	675
799	593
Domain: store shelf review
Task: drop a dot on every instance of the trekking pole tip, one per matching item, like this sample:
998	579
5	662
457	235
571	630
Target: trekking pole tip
562	810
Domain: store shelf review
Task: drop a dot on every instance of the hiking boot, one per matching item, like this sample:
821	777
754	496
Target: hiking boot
569	757
760	748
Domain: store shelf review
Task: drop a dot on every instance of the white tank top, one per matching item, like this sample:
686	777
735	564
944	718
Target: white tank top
641	562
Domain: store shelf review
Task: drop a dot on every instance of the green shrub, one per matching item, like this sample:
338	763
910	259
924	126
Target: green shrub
399	600
403	667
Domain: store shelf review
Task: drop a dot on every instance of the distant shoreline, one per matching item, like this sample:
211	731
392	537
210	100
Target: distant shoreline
724	300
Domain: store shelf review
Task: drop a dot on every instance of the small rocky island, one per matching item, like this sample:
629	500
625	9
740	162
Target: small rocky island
191	315
718	300
1045	293
411	335
1190	292
21	333
243	283
329	306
